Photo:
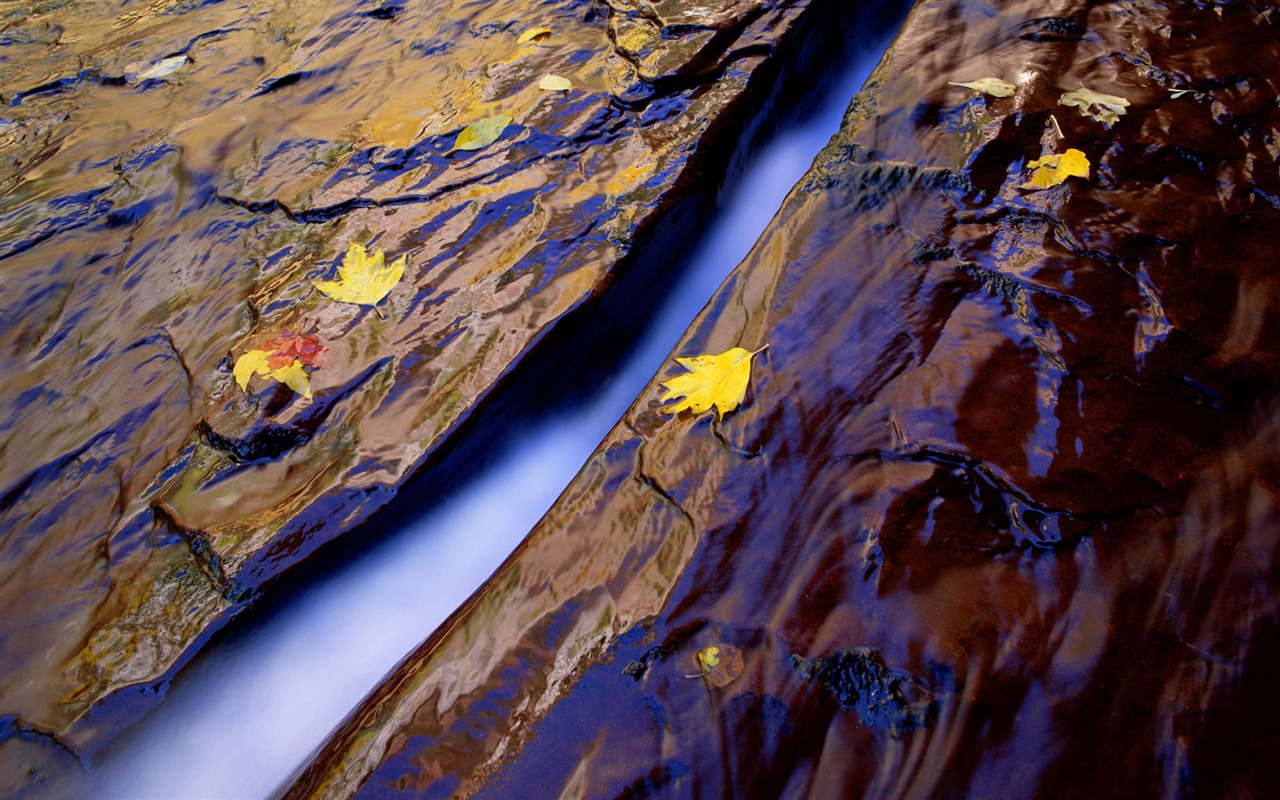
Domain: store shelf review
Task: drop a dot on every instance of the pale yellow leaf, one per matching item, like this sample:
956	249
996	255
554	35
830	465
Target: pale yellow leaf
992	86
481	134
255	362
139	71
533	35
363	278
554	83
295	377
1105	108
713	380
1053	170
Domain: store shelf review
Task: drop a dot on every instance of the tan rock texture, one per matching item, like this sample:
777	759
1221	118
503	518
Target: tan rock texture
1000	516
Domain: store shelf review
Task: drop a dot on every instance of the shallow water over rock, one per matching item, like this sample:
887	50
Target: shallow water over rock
1000	516
176	176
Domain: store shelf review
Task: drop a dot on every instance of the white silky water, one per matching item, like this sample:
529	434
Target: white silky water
247	712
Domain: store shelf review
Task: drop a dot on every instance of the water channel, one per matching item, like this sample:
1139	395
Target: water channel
257	701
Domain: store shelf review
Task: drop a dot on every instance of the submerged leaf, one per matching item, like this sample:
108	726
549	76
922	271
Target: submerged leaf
992	86
1053	170
713	380
481	134
1105	108
255	362
282	359
363	278
533	35
289	347
720	663
139	71
554	83
295	377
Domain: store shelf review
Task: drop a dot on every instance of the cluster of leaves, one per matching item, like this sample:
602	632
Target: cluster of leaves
482	133
1053	170
282	359
363	279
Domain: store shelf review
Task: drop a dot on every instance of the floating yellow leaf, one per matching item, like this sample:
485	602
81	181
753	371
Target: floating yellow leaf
992	86
251	363
1053	170
481	134
1105	108
257	362
363	278
720	663
554	83
295	377
533	35
713	380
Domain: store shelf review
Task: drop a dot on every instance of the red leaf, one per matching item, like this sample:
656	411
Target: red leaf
289	346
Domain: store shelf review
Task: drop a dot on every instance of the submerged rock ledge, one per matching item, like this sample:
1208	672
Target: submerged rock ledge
1000	516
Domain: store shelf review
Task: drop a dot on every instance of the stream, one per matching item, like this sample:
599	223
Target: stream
258	700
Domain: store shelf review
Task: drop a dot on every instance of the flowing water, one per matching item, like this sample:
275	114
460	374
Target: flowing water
256	703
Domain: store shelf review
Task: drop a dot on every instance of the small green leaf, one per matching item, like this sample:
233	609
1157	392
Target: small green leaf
481	134
554	83
992	86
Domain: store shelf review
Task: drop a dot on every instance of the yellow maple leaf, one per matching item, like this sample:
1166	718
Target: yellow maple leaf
713	380
256	362
1053	170
363	278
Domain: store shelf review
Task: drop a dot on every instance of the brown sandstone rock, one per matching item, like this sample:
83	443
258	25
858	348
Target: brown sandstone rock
1000	517
154	228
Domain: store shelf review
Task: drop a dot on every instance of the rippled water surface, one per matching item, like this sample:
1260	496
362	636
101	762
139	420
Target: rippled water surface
999	516
145	136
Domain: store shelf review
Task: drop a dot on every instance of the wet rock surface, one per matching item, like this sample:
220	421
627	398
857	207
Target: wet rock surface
1000	515
177	174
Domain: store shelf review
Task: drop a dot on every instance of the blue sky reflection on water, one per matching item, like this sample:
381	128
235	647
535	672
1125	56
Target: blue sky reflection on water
254	706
